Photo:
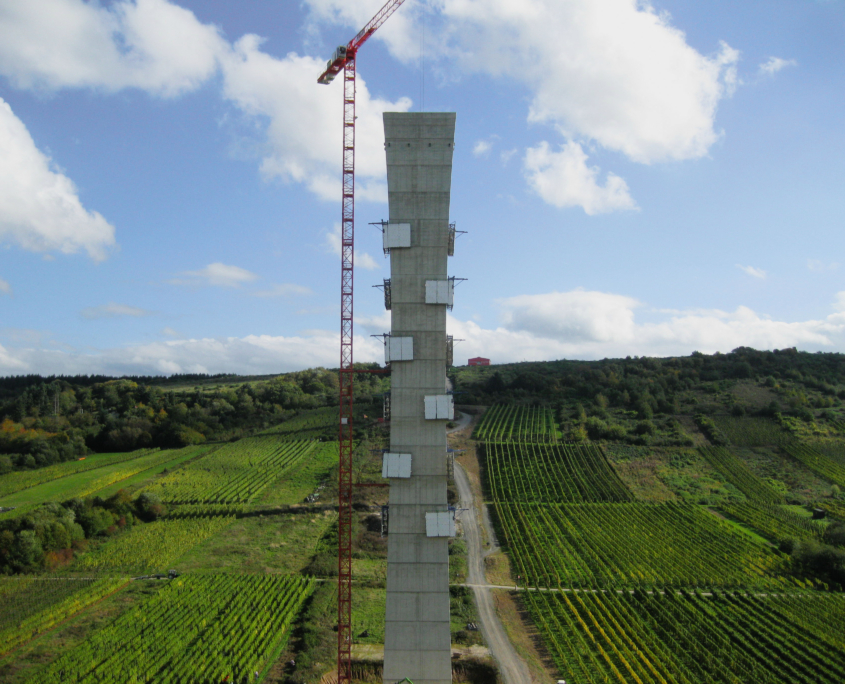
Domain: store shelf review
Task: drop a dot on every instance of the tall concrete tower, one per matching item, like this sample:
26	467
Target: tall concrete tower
419	178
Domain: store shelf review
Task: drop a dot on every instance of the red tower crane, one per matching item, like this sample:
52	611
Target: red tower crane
344	59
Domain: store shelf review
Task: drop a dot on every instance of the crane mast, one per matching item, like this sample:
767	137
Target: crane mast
344	59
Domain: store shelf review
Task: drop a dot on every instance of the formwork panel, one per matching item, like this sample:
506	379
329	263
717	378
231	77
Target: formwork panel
409	548
422	577
423	489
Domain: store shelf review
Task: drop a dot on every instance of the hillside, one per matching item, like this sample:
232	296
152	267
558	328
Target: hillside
662	520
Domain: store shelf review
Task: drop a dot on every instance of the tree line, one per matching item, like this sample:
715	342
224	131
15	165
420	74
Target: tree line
50	420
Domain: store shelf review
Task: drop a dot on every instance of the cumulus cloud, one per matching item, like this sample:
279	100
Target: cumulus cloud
578	315
112	310
821	266
401	33
613	72
284	290
249	355
221	275
482	148
362	259
163	49
578	324
11	364
304	132
153	45
563	179
588	325
774	64
5	288
40	209
752	271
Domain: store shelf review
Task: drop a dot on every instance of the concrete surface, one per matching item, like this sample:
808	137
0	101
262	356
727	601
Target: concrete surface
419	176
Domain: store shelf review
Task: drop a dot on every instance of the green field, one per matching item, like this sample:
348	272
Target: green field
657	517
305	479
633	544
281	543
199	628
152	547
235	473
39	605
507	422
22	479
639	587
544	473
104	479
689	638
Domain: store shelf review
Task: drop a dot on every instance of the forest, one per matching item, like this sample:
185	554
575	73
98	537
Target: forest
47	420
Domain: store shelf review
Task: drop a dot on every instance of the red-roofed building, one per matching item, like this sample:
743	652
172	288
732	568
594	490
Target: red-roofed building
478	361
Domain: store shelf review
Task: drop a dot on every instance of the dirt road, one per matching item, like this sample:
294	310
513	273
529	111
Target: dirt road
511	666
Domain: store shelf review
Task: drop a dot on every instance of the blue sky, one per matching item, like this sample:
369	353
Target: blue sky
634	178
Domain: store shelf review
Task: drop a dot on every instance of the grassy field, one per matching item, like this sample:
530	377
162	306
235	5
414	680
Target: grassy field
105	479
305	479
23	479
282	543
666	474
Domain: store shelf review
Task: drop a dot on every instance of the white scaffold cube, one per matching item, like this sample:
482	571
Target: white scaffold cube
439	407
397	235
396	465
398	349
440	524
440	292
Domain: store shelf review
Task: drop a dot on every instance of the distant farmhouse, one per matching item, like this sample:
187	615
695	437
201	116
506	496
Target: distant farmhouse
478	361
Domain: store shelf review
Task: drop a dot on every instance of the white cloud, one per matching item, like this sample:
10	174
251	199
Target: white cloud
362	259
304	129
577	315
614	71
218	274
154	45
588	325
170	332
820	266
40	209
5	288
482	148
401	32
284	290
752	271
579	324
775	64
253	354
162	48
10	364
113	310
563	179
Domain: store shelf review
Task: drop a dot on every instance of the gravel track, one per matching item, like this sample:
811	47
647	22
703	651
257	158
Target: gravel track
511	666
